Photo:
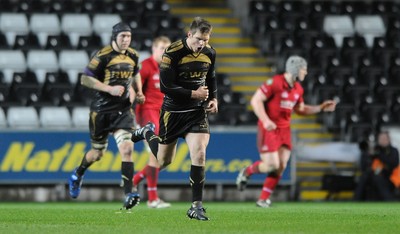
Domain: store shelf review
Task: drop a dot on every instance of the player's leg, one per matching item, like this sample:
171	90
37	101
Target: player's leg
153	169
268	144
99	143
197	143
273	178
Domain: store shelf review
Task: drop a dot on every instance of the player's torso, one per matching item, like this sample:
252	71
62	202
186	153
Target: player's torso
112	69
191	70
280	105
150	73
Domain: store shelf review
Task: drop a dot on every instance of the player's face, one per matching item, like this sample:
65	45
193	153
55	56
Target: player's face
198	41
123	40
302	73
158	50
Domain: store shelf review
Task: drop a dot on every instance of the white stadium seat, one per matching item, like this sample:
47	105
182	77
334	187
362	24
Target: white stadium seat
102	26
25	117
76	25
44	25
370	26
11	61
3	119
80	117
338	26
13	24
55	117
73	62
42	62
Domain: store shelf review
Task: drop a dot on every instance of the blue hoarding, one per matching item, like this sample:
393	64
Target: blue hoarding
50	156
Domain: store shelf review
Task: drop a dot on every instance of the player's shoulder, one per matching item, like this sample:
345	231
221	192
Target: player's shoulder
175	47
132	52
106	50
210	49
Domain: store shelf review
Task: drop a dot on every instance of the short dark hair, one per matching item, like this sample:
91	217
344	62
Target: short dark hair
200	24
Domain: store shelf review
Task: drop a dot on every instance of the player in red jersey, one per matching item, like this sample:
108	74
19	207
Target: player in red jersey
150	112
273	104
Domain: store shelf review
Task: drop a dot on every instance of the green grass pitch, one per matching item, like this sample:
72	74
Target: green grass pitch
283	217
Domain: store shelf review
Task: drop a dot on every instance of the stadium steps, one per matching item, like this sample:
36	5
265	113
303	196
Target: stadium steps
309	180
236	55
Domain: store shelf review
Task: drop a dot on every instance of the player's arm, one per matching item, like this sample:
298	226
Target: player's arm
257	103
89	81
132	94
304	109
211	81
140	98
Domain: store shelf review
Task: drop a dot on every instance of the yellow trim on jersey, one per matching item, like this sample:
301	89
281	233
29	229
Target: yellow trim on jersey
121	59
175	47
133	51
106	50
190	58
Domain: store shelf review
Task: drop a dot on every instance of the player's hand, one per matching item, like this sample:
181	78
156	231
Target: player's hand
140	98
328	106
269	125
117	90
201	93
212	106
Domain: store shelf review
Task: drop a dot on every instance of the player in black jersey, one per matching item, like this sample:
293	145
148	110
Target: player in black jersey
112	72
187	78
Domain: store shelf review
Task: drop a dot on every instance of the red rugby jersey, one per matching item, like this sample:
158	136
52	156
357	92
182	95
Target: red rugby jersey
150	74
281	99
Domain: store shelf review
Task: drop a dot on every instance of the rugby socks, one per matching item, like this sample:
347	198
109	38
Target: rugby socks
269	185
197	179
138	177
153	140
127	176
152	179
83	167
253	168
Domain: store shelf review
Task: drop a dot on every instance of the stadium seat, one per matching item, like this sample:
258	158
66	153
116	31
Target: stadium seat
383	51
102	26
353	49
89	43
58	43
3	42
44	25
80	117
22	117
25	88
354	8
27	42
55	117
73	62
323	50
57	90
13	24
338	26
369	26
42	62
3	119
75	26
11	61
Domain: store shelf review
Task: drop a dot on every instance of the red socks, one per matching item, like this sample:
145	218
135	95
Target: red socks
151	174
269	185
253	168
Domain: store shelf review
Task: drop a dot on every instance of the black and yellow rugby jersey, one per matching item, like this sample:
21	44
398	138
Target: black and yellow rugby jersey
182	71
113	68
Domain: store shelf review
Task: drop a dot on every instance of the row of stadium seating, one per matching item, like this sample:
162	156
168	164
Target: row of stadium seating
60	118
353	52
77	31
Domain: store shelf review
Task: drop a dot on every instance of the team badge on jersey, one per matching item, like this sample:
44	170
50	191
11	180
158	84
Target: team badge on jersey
284	94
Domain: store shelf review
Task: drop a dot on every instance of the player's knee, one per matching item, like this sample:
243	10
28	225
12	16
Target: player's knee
126	150
98	155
